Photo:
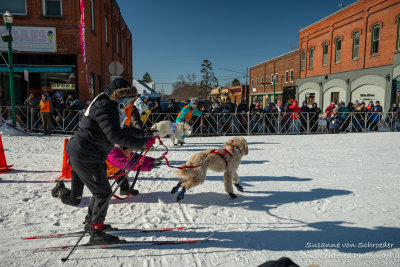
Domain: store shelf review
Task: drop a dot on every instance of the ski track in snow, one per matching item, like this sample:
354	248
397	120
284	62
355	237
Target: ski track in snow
300	191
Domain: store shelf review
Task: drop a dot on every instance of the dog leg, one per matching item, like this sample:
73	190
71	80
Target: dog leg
175	189
181	195
235	181
228	184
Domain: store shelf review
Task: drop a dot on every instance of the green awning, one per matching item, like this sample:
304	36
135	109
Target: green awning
38	68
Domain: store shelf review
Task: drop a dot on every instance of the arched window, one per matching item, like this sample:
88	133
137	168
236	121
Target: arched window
376	30
356	45
303	60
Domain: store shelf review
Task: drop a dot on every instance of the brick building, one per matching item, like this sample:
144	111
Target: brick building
46	39
351	55
284	70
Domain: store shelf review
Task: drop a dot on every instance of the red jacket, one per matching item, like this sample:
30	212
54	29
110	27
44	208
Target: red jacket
329	110
295	112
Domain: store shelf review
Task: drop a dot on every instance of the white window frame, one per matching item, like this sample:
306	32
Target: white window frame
356	46
106	28
311	58
252	83
338	53
272	79
276	78
13	13
325	56
92	15
262	80
44	7
286	76
291	75
303	60
266	80
257	82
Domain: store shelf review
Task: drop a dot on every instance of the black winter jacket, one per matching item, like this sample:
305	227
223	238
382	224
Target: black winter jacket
100	131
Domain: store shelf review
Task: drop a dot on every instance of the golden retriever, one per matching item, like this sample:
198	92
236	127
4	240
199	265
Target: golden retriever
220	160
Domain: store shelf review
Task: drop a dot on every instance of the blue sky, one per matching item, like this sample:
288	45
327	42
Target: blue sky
172	37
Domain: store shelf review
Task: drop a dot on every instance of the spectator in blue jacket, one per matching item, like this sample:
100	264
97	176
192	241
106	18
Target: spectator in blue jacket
374	119
334	121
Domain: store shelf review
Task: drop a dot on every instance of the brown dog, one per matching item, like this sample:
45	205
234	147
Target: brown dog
220	160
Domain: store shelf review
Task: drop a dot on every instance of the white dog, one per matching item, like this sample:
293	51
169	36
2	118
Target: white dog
174	130
226	160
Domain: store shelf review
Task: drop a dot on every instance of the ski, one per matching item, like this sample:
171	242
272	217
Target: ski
115	230
125	243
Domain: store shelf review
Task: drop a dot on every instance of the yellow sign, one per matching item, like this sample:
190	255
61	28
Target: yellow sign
63	86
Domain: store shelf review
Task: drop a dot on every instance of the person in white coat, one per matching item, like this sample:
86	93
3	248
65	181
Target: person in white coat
140	103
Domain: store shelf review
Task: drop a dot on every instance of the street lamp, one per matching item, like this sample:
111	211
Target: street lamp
8	20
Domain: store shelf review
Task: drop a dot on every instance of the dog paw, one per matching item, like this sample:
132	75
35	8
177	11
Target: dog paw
175	189
239	187
232	195
180	197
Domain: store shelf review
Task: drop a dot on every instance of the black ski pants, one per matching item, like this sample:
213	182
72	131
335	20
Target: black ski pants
93	175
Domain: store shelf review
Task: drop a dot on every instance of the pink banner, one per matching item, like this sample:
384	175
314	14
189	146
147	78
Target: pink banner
82	32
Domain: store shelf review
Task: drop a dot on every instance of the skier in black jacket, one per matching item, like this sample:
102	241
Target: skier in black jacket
99	130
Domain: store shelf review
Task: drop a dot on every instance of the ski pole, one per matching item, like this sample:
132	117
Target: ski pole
101	209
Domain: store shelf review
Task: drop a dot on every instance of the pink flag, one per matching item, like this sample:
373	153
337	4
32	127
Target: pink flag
82	32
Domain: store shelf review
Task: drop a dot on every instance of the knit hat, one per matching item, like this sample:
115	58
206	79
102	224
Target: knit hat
377	102
257	104
144	96
332	102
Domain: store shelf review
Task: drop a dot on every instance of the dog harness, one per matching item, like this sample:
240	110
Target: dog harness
223	155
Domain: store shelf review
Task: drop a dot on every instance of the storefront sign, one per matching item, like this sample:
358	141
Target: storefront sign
63	86
82	31
37	39
365	97
235	90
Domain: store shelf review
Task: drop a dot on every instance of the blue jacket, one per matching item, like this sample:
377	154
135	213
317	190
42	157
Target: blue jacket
375	116
335	122
187	110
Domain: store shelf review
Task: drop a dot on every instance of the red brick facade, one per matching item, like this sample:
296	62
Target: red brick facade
361	18
93	78
261	77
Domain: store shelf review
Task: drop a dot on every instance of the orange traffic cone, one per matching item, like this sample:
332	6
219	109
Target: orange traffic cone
4	168
66	168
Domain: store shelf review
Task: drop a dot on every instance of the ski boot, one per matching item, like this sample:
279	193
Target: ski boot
88	225
98	236
175	189
181	195
239	187
58	189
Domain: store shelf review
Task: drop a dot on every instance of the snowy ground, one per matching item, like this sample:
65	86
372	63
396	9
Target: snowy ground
301	193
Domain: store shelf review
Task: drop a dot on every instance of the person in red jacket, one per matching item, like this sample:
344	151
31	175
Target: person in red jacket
329	111
295	109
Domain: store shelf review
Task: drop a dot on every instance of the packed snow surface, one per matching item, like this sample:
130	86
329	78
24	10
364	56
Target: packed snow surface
330	200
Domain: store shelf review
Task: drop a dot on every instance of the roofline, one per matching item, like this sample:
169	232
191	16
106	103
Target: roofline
298	49
340	10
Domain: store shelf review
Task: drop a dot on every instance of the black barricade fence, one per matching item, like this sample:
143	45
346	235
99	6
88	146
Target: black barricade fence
66	121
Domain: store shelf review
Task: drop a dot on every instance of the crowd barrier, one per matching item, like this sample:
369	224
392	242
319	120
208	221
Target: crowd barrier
66	121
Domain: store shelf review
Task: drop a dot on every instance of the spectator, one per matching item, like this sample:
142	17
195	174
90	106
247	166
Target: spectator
314	117
227	108
204	120
172	107
214	122
69	100
344	114
253	105
285	118
361	115
140	103
296	111
370	109
46	109
334	121
378	104
374	119
272	118
391	117
256	118
304	117
242	111
329	110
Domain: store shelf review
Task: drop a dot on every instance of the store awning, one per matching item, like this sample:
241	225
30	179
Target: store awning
38	68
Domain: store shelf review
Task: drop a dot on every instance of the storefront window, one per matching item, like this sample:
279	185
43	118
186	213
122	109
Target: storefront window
52	8
57	81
